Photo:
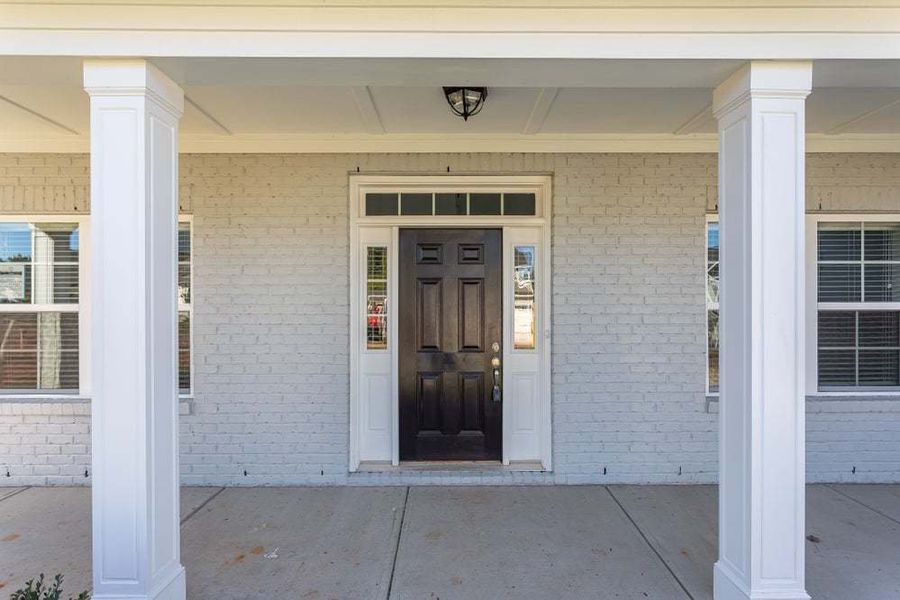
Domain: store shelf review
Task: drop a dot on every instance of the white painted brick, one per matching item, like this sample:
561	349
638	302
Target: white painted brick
271	301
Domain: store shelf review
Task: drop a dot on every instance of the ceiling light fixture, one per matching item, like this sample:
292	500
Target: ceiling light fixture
465	102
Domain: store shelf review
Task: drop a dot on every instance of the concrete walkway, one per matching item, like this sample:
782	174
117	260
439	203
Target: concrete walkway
616	542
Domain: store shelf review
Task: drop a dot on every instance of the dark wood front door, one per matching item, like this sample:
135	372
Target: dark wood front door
450	318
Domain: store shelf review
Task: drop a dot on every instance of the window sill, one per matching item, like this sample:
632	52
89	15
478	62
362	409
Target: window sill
185	403
834	402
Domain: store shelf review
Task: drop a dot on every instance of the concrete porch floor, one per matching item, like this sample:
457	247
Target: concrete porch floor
460	542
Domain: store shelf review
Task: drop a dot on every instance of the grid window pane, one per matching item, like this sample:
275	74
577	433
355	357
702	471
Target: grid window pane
879	367
184	352
39	263
879	329
376	297
837	329
519	204
525	314
882	241
415	204
882	282
450	204
378	204
712	339
840	283
840	241
484	204
39	351
837	367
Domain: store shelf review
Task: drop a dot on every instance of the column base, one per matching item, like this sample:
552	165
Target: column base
172	586
727	586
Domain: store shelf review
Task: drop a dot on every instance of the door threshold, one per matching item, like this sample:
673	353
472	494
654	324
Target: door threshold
479	466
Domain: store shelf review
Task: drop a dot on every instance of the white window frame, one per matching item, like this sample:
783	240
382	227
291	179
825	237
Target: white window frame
812	302
188	308
527	441
82	308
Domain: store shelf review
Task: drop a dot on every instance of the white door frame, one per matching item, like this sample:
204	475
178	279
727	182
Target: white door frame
374	424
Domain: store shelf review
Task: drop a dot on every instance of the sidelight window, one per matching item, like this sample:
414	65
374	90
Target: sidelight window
376	297
525	314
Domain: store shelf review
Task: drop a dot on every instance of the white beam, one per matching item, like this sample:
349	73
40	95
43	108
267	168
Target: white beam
38	115
691	125
368	112
643	29
542	105
846	125
218	124
134	411
760	112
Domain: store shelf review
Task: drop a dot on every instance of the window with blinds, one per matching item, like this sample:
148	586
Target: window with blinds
858	301
712	306
185	310
39	306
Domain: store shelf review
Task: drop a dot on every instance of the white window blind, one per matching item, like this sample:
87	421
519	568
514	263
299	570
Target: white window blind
39	306
858	301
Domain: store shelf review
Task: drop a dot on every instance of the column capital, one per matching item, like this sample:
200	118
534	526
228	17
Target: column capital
763	79
132	77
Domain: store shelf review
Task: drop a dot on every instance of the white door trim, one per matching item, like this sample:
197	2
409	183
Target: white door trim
374	410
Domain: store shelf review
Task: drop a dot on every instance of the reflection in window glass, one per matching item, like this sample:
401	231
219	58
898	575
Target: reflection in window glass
378	204
518	204
712	305
39	351
376	297
415	204
39	263
484	204
524	316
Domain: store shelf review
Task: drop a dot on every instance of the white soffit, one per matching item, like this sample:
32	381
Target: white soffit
396	105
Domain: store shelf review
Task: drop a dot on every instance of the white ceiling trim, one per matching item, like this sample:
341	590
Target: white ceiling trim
368	112
842	127
218	124
698	119
395	143
658	30
38	115
542	105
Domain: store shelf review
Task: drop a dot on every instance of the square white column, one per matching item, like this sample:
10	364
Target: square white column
134	410
760	112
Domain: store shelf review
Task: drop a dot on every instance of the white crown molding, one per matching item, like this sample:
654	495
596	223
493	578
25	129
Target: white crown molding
395	143
739	30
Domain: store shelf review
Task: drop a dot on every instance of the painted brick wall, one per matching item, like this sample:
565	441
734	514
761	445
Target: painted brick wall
271	302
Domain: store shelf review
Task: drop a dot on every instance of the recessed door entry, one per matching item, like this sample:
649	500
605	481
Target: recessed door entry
450	329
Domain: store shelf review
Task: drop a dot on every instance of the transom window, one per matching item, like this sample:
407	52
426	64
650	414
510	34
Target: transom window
382	204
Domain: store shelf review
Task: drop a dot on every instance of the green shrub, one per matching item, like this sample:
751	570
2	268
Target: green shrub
34	590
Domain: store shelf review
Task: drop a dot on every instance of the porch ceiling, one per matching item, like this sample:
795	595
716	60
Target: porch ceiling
397	104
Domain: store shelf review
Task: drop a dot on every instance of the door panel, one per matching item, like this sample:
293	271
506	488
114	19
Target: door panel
450	315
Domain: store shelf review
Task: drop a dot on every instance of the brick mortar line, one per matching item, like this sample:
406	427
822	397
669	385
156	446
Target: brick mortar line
649	545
